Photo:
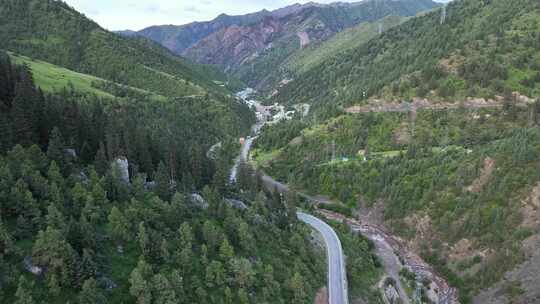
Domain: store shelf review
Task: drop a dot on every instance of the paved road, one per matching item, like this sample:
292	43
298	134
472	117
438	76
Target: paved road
337	276
244	152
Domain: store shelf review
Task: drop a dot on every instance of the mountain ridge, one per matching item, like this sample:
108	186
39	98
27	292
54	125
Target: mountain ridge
249	46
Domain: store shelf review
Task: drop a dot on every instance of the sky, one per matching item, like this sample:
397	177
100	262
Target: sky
138	14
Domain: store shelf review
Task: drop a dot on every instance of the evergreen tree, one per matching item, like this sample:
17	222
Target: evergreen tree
24	103
91	293
119	226
226	251
100	161
163	291
6	137
24	292
55	150
163	182
6	242
140	287
6	82
298	289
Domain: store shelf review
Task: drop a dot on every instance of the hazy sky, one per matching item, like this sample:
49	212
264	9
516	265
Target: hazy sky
138	14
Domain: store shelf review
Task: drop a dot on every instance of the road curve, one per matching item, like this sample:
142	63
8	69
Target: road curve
337	276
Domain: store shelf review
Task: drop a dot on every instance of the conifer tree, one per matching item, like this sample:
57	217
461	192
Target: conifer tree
100	161
163	182
24	292
6	137
24	128
55	150
91	293
140	287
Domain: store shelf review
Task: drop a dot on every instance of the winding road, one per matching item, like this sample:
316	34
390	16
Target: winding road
337	276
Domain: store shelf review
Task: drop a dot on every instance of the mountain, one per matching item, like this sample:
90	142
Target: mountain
433	57
179	38
252	46
107	192
443	147
54	32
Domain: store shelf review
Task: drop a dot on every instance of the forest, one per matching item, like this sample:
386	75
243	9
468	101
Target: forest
54	32
73	229
481	49
432	165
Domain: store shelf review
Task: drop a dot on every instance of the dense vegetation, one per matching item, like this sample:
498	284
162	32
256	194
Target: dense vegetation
54	32
364	268
69	214
313	55
483	48
430	166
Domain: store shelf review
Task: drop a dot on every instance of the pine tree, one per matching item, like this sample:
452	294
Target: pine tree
119	226
163	290
140	287
24	292
101	162
72	123
91	293
53	285
55	150
298	289
226	251
88	265
6	136
6	82
221	176
163	182
6	242
24	127
143	239
184	252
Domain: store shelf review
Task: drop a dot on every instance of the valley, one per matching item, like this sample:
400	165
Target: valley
391	250
370	152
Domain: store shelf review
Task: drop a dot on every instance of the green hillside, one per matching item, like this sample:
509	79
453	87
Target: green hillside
466	173
312	56
482	48
53	79
53	32
458	182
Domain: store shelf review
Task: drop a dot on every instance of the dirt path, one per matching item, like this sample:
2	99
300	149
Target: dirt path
419	104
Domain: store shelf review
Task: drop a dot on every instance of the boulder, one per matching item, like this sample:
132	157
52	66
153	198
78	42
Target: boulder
123	165
199	201
30	267
236	203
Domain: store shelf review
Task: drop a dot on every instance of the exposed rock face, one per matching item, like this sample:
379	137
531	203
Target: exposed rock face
30	267
234	45
236	203
525	277
199	201
123	165
252	45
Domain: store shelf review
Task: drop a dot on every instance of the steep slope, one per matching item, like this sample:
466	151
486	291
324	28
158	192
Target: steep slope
429	54
54	32
255	45
252	52
178	38
350	38
454	173
81	223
